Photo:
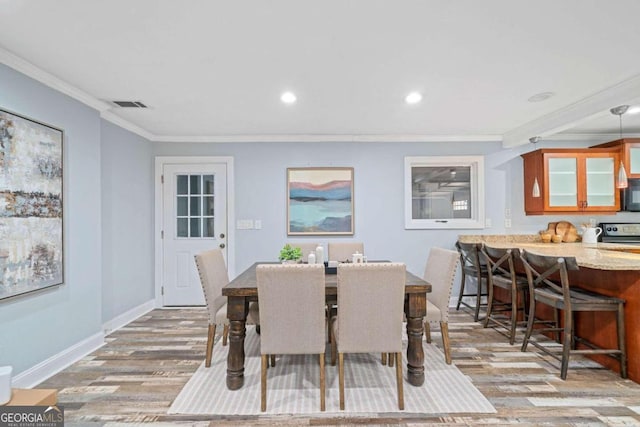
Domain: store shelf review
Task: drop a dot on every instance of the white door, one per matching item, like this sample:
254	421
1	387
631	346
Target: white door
194	206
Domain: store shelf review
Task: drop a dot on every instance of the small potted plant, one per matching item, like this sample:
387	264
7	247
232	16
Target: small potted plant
289	254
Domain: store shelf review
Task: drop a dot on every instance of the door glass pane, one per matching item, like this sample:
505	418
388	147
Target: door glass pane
195	184
634	160
182	206
207	184
208	227
563	182
600	182
195	227
182	227
182	184
195	206
208	206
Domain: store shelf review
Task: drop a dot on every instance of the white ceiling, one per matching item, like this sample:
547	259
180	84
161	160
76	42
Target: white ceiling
214	70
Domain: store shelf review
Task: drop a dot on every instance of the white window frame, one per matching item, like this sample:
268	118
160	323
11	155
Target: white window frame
476	163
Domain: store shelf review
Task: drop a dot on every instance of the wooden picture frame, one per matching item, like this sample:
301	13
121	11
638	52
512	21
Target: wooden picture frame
31	205
320	201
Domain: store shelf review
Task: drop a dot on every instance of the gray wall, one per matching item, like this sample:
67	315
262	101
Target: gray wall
37	326
127	221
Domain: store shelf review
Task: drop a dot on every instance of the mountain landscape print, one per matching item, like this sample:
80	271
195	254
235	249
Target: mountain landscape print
320	201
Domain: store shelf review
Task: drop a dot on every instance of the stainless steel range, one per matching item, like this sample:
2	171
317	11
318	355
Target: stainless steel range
620	232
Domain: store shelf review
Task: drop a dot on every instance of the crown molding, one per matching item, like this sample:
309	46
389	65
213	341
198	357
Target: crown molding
579	112
327	138
125	124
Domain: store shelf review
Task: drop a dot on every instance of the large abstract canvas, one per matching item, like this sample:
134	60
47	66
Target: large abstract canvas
320	201
31	252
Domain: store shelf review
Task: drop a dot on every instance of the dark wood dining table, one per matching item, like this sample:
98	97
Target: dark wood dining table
243	289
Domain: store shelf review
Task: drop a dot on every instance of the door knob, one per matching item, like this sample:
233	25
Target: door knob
222	235
222	245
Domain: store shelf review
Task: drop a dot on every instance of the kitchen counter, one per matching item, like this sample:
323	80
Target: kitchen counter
600	256
606	268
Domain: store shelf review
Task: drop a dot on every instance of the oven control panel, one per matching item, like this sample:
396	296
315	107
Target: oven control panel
621	229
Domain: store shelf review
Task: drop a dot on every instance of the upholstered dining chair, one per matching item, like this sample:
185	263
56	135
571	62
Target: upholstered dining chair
292	316
370	315
305	247
544	288
440	272
342	251
213	277
472	266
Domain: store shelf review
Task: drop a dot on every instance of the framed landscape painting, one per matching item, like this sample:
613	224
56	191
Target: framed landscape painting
319	201
31	252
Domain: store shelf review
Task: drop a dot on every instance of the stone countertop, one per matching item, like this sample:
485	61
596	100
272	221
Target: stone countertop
601	256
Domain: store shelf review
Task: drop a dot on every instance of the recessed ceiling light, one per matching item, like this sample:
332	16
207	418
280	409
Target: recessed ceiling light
288	97
541	97
633	110
413	98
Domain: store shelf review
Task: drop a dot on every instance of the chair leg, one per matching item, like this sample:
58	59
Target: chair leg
621	344
476	314
263	384
383	357
567	337
391	360
489	302
211	334
225	334
514	314
427	332
444	330
398	357
333	349
463	279
341	379
556	321
530	319
322	383
273	360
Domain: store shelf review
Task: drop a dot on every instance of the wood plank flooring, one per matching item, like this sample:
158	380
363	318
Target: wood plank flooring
134	378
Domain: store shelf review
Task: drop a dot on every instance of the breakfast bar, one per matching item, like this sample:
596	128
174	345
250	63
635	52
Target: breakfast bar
607	268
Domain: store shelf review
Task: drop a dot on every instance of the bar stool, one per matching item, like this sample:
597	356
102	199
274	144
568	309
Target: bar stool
471	265
502	273
560	297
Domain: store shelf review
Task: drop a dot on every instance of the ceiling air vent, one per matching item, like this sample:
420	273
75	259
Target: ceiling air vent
129	104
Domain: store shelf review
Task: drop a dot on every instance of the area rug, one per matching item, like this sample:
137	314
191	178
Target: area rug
293	386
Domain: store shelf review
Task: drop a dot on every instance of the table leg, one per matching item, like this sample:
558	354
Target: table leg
415	310
237	308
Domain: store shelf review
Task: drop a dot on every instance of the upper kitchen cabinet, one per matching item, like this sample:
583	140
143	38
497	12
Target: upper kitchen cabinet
629	149
571	181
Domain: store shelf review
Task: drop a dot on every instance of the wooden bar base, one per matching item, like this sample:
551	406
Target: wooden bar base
33	397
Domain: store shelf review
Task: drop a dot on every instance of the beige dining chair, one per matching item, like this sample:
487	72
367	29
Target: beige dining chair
213	277
440	272
364	323
292	316
342	251
305	247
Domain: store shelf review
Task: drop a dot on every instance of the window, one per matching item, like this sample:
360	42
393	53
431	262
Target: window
444	192
194	206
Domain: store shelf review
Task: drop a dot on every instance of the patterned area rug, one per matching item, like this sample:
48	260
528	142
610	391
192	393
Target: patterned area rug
293	386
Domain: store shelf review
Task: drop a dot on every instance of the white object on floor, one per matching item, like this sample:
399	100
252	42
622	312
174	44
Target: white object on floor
5	384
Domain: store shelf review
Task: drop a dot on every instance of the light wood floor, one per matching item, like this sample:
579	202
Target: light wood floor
142	368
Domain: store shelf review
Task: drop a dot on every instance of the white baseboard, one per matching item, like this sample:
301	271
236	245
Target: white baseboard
127	317
56	363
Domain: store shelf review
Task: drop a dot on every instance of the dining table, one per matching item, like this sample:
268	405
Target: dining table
242	290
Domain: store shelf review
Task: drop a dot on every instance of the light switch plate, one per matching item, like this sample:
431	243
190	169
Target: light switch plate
244	224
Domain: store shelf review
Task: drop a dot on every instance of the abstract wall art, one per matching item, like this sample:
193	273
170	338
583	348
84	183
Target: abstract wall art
319	201
31	251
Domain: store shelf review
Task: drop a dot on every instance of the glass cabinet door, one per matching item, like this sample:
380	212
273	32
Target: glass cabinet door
563	181
600	181
634	160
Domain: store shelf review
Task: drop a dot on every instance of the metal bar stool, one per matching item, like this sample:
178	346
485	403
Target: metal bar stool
559	296
471	265
502	274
